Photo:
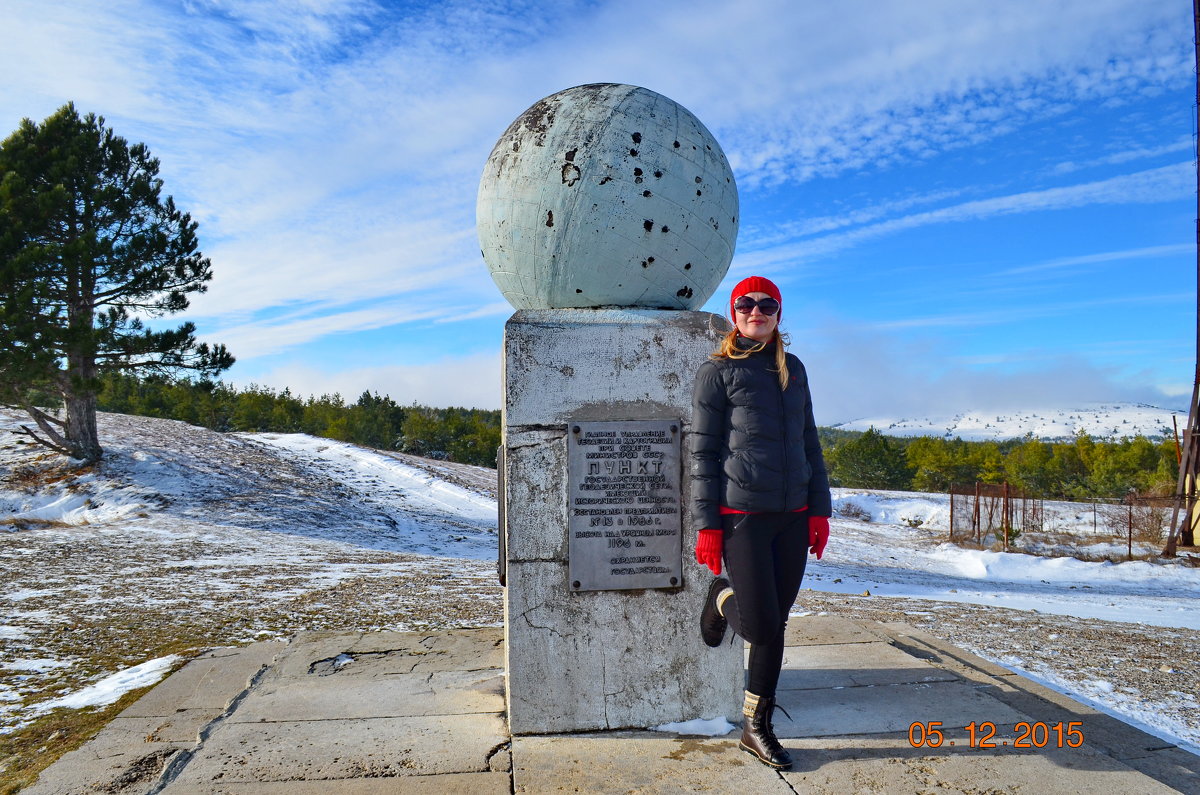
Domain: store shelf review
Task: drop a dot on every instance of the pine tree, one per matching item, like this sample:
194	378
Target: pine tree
89	249
869	462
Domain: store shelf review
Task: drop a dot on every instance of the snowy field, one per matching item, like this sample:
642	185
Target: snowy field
183	539
889	557
1110	421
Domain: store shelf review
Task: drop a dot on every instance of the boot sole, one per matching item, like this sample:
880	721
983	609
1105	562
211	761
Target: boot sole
713	590
767	762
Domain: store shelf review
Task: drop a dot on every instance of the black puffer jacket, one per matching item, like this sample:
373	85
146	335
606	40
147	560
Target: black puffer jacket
754	446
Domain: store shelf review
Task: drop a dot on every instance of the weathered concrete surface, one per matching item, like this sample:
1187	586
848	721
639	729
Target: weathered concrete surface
338	707
131	752
878	663
579	661
600	364
284	730
629	761
332	749
888	764
449	784
607	195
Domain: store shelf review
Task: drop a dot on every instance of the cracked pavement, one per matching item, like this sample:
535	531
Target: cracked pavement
382	712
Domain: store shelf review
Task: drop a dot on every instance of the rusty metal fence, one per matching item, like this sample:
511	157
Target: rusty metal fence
995	510
1136	517
998	512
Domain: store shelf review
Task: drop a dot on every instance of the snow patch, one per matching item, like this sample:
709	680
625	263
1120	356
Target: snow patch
712	727
111	688
40	664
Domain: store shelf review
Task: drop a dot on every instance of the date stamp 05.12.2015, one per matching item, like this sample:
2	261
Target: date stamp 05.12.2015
1025	734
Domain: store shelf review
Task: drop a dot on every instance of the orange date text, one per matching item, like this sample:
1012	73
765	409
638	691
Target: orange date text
1026	734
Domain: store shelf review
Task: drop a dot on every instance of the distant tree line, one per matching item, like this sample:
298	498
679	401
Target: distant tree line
469	436
1075	469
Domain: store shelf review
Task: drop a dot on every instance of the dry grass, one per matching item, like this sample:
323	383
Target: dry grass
46	469
31	748
852	510
13	525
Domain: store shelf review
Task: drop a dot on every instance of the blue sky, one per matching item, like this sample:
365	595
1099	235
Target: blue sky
967	205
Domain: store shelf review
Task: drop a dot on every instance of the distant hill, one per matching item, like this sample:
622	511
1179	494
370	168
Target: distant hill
1100	420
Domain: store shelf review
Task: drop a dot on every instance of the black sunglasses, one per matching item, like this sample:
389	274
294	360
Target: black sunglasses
745	305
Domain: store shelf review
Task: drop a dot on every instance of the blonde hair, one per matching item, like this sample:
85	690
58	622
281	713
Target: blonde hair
728	349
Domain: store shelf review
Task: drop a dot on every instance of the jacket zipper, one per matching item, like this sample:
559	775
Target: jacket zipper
787	468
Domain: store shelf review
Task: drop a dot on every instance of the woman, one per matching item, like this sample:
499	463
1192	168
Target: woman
760	495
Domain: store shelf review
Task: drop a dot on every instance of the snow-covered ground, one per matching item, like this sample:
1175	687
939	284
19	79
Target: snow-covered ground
889	557
183	539
1100	420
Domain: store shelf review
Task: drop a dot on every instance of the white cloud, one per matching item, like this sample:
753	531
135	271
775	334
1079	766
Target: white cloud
1154	185
265	337
858	372
495	309
1102	257
1127	155
756	238
1005	315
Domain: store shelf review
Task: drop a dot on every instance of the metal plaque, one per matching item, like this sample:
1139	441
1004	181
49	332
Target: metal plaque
623	505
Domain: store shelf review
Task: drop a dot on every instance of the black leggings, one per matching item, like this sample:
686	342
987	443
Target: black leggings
765	554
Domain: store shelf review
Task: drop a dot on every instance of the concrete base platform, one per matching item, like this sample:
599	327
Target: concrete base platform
424	713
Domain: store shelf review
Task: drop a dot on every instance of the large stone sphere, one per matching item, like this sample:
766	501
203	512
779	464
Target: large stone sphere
607	195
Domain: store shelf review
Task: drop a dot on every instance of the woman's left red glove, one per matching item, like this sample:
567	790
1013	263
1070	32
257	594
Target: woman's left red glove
818	534
708	549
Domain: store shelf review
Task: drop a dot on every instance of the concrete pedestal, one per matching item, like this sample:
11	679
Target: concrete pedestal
600	659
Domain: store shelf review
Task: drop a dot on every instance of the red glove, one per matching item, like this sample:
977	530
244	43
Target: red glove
818	534
708	549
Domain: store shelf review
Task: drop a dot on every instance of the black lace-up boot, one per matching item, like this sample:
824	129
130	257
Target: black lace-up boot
758	735
712	623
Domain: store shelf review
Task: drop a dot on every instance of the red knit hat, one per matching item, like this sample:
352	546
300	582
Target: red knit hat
754	284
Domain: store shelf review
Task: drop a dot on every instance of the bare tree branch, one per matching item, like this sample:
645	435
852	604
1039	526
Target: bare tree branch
27	431
57	442
41	417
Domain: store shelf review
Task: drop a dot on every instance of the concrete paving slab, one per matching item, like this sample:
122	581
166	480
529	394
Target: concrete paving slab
123	758
309	648
397	662
380	696
211	681
890	765
1171	766
642	762
1142	751
129	754
887	708
824	630
184	726
345	749
938	652
458	649
374	726
850	665
449	784
383	653
375	642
